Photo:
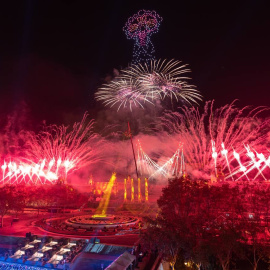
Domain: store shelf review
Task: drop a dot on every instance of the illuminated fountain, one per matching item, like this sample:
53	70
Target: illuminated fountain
132	190
101	218
101	212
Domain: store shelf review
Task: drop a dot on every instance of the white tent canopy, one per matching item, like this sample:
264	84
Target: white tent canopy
122	262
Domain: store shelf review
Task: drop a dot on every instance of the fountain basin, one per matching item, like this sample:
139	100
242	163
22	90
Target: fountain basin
98	221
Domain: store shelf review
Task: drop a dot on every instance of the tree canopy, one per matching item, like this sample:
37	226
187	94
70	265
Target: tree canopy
211	224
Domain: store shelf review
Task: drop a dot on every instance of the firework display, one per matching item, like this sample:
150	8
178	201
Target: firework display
225	140
39	173
160	170
227	143
228	125
54	153
174	166
79	145
140	28
147	84
147	80
162	78
235	168
123	93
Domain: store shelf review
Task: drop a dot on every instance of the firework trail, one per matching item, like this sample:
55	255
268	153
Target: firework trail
224	153
36	173
226	125
173	166
161	79
214	155
146	165
266	161
257	164
147	83
241	167
122	93
63	150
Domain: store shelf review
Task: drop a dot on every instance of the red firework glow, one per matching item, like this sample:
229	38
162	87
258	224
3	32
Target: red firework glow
247	166
224	143
13	172
53	154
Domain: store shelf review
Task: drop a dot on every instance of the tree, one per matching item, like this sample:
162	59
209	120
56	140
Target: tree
223	243
38	197
198	219
254	225
63	195
160	237
181	218
12	198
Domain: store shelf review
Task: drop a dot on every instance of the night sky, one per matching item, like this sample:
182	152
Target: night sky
54	54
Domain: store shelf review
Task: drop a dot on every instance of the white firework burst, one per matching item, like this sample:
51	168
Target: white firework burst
161	79
122	93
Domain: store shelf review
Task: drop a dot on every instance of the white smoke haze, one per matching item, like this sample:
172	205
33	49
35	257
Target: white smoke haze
118	157
197	174
119	154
